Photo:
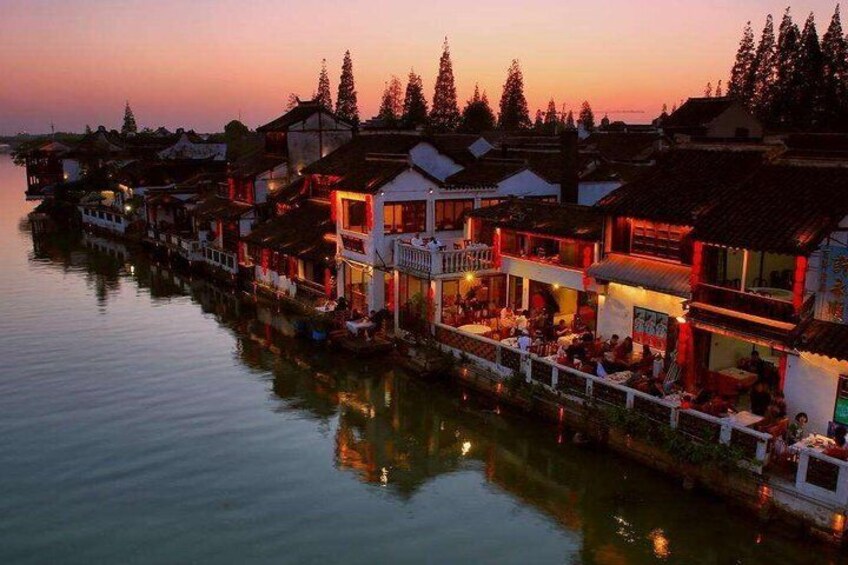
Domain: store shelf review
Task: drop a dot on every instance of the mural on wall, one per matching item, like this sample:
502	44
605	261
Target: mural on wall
650	328
834	281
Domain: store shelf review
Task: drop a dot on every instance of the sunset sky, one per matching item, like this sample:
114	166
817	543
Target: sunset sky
200	63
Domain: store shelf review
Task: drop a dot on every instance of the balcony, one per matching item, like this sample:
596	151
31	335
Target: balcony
422	260
746	311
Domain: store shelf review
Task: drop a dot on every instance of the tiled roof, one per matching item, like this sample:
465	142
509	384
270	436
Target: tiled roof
217	208
352	154
782	209
371	174
455	145
824	338
611	172
817	147
668	278
296	115
300	232
561	220
161	173
697	112
486	173
624	146
254	163
684	184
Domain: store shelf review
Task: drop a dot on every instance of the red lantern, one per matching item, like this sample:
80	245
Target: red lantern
292	268
369	213
231	188
334	203
798	283
697	261
265	260
328	282
496	249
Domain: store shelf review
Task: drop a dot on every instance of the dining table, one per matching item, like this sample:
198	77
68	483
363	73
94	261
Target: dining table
356	326
476	329
744	418
816	442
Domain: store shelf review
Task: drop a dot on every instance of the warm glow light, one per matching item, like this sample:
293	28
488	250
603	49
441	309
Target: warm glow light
128	208
466	447
660	543
681	320
384	476
469	277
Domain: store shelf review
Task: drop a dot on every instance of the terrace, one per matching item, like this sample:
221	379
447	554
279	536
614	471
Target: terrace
453	259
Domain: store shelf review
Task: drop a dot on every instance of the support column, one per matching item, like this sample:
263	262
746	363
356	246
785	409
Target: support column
396	283
744	270
525	294
437	301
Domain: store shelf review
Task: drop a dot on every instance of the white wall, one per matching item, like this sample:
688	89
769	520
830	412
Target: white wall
550	274
428	158
810	386
615	308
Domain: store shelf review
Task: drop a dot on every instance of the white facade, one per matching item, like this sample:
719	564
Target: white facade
185	148
313	138
810	386
615	307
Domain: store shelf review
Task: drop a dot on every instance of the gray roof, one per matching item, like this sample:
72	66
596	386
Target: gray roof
659	276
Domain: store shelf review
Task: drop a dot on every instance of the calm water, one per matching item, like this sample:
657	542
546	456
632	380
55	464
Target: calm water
144	419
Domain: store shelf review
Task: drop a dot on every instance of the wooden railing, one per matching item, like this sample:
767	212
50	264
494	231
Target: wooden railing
746	303
585	388
434	262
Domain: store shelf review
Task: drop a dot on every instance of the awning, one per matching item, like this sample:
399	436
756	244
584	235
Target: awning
668	278
824	338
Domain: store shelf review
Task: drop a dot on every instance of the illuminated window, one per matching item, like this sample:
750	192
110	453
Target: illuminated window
353	215
656	240
405	217
451	213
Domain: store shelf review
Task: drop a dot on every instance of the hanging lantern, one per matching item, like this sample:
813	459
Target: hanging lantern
328	282
798	283
697	261
496	248
265	261
369	213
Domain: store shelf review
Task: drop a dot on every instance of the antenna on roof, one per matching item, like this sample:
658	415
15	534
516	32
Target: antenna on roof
52	129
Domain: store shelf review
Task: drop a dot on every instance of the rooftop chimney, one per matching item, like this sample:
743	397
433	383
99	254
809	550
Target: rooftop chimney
568	187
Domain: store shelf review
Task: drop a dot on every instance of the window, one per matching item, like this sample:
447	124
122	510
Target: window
451	213
353	215
486	202
405	217
656	240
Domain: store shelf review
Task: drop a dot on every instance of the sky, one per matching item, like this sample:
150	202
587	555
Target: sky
200	63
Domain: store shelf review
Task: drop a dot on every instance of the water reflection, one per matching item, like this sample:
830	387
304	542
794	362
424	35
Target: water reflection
400	434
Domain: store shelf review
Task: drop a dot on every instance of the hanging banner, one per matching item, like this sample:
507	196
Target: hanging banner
834	282
650	328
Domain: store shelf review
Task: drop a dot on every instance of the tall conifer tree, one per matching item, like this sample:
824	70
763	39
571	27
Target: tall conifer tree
741	75
587	117
551	119
514	114
785	96
129	125
477	116
346	104
764	72
414	103
809	78
323	94
444	115
835	88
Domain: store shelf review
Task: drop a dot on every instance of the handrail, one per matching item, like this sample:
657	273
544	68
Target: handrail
449	261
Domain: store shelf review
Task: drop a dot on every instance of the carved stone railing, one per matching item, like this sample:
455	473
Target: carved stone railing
435	262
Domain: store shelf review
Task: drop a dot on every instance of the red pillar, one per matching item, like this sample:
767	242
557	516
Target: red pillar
697	264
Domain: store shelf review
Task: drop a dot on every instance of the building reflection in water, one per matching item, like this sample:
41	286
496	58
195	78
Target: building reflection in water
397	433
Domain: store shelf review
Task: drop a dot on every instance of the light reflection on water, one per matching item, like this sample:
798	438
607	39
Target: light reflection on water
148	417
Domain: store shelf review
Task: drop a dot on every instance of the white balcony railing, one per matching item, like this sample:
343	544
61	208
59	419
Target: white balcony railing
435	262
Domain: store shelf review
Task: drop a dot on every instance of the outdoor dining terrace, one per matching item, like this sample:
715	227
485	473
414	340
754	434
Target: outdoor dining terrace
804	471
446	259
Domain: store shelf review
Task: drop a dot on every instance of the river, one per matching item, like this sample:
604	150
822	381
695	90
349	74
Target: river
149	418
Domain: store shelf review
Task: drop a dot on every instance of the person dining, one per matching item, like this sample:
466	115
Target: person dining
760	397
838	451
578	326
796	430
624	350
561	329
522	322
417	241
611	343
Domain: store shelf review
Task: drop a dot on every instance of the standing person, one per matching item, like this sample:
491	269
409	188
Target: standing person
760	397
524	341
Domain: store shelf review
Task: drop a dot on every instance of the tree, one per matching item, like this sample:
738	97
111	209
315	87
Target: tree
835	87
785	97
718	90
809	77
237	138
514	114
741	75
129	121
587	117
87	129
414	103
708	90
323	94
346	105
765	59
445	113
292	101
391	105
569	120
539	122
551	121
477	116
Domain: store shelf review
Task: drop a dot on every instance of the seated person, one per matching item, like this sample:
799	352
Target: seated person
561	329
577	350
341	304
578	326
838	451
524	341
611	344
507	317
522	322
623	352
417	241
796	430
